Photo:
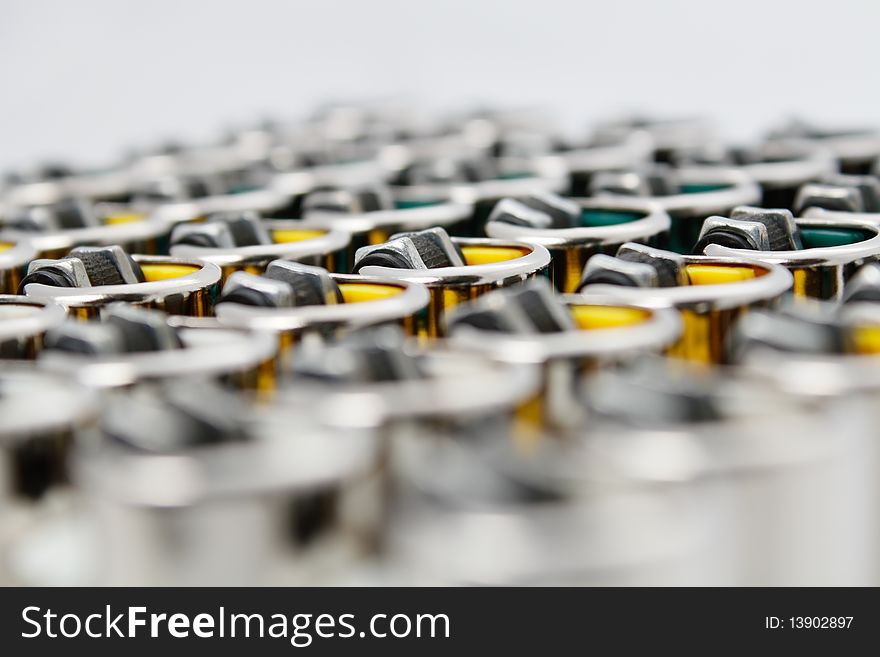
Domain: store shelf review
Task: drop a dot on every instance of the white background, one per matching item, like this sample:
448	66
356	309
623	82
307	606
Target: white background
83	79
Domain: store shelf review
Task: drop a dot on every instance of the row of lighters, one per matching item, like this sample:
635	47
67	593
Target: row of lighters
367	347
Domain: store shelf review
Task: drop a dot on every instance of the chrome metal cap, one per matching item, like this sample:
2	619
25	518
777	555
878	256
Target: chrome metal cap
604	269
534	259
830	197
734	233
409	299
643	220
524	309
840	254
782	230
